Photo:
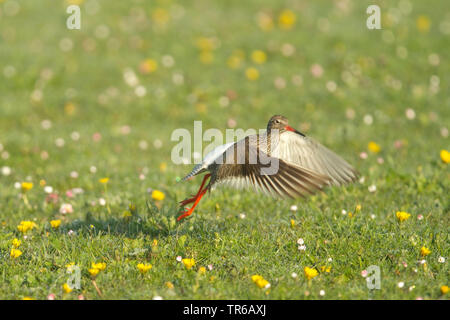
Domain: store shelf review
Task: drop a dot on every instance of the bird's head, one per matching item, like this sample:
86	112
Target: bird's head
281	124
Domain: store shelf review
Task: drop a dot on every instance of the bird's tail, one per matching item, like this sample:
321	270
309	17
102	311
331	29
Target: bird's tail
197	169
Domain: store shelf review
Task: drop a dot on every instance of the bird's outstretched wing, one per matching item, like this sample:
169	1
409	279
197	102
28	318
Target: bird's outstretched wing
269	175
308	153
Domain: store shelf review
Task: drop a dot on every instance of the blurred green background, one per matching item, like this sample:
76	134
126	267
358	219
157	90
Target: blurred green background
103	101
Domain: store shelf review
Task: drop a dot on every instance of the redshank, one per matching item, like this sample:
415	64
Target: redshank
281	162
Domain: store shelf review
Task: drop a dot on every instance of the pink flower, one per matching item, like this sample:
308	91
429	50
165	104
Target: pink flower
97	137
80	297
419	217
66	208
364	273
316	70
69	193
51	296
52	198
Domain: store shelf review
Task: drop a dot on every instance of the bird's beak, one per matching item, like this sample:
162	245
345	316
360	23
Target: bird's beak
289	128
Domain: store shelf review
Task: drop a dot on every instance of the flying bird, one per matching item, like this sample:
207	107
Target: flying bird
282	162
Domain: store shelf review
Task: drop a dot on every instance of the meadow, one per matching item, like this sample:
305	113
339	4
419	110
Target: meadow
89	193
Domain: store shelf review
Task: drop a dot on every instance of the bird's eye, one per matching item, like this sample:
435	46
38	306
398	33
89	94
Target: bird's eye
277	121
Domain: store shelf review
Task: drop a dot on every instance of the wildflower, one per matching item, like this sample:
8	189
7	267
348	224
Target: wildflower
179	258
143	268
322	293
287	19
424	251
252	73
24	226
93	271
300	241
67	288
445	156
423	24
202	270
169	285
265	21
441	259
302	248
294	275
27	298
148	66
157	298
293	208
26	186
259	56
401	284
158	195
80	297
310	273
420	217
364	273
372	188
15	253
292	223
16	243
444	289
260	281
100	266
188	263
51	296
373	147
402	216
55	223
103	180
325	269
66	208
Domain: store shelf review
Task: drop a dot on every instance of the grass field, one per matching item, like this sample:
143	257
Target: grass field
78	106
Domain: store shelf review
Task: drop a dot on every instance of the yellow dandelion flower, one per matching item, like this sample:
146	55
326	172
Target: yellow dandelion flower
42	183
154	242
424	251
252	73
55	223
16	243
444	289
287	19
358	207
26	186
100	266
325	269
402	216
70	108
445	156
373	147
27	298
163	167
169	285
93	271
423	24
143	268
67	288
202	270
148	66
259	56
25	226
310	273
103	180
292	223
15	253
206	44
260	281
160	16
158	195
188	263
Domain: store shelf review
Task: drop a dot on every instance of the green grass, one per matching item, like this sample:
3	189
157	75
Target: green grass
373	77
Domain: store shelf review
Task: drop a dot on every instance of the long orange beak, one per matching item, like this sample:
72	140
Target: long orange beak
289	128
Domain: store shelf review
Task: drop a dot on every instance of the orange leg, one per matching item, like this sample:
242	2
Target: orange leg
189	211
190	200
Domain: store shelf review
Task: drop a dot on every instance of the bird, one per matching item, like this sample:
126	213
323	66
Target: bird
281	162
